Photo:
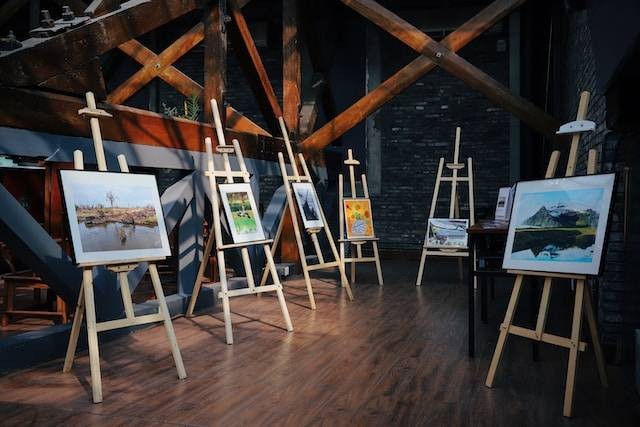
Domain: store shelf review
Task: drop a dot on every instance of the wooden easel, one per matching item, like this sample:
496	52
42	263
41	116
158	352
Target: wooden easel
582	294
454	208
358	243
291	209
86	303
229	175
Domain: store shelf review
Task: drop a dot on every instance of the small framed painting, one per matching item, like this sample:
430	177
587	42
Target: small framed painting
447	233
358	218
559	225
504	203
114	217
241	212
308	204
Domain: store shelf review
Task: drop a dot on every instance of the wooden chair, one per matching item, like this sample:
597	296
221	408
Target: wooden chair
27	279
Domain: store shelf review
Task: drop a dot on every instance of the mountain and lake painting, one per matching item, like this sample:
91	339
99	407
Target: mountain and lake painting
114	217
559	224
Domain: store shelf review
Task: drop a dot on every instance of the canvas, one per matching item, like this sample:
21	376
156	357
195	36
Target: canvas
358	218
308	204
559	225
241	212
114	217
447	233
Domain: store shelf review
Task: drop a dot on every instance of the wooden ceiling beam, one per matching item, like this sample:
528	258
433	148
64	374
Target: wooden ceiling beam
237	121
254	69
215	56
291	75
406	76
152	69
171	75
40	111
447	59
41	59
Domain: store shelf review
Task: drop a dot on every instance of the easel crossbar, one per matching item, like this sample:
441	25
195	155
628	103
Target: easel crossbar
125	323
323	265
249	291
547	338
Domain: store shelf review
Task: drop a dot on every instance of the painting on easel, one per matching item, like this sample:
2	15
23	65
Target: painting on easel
114	216
357	215
447	233
308	204
242	213
559	225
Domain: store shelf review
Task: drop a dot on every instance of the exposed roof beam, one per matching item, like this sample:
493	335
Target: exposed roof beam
406	76
40	59
253	68
456	65
152	69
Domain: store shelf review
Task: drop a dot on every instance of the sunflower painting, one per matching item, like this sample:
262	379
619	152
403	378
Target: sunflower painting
358	218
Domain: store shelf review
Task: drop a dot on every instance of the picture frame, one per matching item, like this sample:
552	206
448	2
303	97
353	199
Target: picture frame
559	225
447	233
241	212
358	218
114	217
504	204
308	205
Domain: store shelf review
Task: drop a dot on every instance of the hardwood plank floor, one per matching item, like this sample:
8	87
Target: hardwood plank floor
395	356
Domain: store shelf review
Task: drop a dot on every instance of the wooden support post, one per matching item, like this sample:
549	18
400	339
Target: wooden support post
215	55
290	65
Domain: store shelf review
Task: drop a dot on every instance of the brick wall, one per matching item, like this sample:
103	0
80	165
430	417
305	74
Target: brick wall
418	127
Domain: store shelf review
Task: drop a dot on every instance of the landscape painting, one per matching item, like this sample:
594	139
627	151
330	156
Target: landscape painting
308	204
447	233
114	217
241	212
559	225
358	218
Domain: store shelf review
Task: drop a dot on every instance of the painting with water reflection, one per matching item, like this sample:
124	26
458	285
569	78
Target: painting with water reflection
559	225
114	217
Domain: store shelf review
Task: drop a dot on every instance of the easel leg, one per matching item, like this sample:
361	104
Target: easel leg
353	265
342	256
593	328
226	309
75	332
336	256
274	274
504	330
574	350
198	285
307	281
423	259
274	245
168	325
92	336
376	255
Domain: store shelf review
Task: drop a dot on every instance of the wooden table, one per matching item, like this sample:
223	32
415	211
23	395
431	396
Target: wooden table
492	232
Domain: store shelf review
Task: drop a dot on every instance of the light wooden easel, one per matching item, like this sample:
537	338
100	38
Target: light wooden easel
86	303
582	294
358	258
291	208
229	175
454	208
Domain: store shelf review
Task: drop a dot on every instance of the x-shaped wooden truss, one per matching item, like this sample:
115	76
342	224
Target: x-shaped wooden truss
432	54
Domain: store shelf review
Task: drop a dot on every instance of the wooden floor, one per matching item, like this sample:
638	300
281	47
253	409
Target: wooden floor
397	355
